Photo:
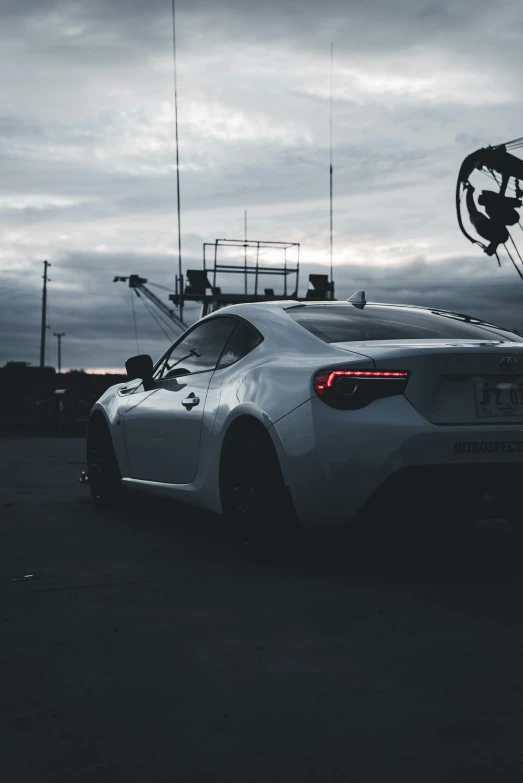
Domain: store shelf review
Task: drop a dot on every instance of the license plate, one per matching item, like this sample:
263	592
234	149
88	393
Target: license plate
499	399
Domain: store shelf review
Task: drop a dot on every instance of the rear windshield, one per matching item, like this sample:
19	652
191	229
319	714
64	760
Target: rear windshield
346	323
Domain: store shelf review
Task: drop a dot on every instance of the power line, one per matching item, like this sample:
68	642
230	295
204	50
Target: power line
166	322
515	246
155	316
161	314
164	318
165	287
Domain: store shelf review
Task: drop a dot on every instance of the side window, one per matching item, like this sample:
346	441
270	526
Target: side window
240	343
199	350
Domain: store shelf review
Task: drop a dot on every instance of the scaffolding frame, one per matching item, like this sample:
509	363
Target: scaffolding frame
199	287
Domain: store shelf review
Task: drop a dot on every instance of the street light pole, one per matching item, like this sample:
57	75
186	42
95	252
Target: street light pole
59	335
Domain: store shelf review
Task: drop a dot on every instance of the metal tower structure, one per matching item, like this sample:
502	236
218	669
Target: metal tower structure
243	261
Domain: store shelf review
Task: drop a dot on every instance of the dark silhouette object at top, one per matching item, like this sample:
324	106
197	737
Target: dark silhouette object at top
493	226
500	210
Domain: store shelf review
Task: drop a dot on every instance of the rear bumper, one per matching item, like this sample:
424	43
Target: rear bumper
422	492
338	464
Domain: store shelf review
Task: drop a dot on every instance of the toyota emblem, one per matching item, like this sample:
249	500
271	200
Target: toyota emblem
509	364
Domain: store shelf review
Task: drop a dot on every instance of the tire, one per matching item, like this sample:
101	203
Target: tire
103	473
255	499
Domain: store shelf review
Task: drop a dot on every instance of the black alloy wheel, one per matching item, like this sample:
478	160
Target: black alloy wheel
103	473
256	500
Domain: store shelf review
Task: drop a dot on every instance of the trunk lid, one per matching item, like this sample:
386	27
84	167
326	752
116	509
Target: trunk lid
449	379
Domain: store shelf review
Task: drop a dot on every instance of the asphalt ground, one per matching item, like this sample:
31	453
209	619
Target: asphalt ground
144	648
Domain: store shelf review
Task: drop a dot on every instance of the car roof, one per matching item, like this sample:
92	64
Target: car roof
346	304
252	308
287	304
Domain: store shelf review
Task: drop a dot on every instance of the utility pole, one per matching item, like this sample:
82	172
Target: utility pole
44	315
59	335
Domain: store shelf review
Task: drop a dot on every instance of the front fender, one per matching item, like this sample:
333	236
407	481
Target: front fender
111	406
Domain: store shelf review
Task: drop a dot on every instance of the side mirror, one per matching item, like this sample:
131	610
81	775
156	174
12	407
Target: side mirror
140	367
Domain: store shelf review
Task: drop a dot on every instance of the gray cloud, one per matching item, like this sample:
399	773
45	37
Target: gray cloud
97	315
87	149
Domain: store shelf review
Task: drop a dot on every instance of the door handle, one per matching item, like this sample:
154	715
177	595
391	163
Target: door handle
191	401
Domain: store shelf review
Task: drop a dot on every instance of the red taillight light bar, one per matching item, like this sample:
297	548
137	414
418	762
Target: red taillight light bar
324	380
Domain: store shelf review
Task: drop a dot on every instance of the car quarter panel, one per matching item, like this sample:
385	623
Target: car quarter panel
277	375
333	461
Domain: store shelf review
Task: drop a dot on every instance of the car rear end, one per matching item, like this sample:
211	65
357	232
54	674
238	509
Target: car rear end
418	426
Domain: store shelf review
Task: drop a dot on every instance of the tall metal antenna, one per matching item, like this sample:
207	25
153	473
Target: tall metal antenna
180	277
44	315
245	248
330	170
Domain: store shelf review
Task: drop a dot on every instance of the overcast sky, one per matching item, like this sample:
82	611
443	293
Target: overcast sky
87	152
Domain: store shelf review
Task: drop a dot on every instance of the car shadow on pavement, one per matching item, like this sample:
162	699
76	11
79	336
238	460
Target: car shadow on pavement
484	548
474	570
488	550
202	533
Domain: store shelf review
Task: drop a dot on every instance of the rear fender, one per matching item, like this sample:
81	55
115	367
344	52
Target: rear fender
294	445
271	390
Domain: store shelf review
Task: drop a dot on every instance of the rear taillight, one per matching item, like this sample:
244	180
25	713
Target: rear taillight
352	389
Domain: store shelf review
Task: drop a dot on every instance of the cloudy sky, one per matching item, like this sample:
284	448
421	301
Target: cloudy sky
87	155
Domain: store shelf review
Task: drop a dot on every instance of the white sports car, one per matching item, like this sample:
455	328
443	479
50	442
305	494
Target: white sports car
316	413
